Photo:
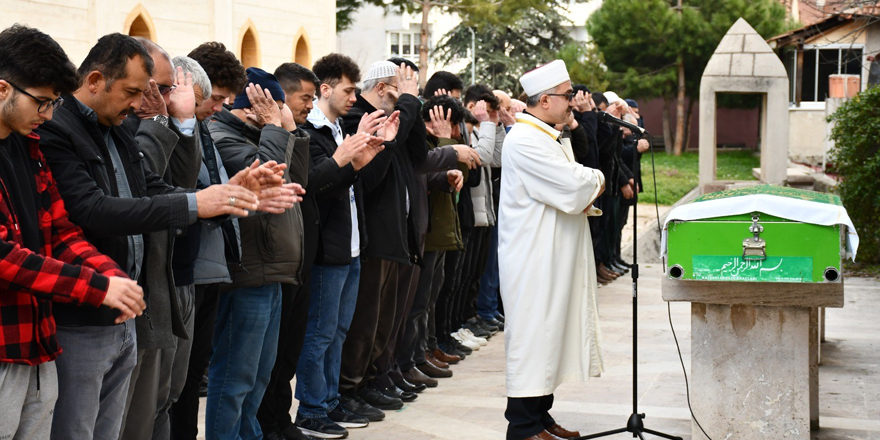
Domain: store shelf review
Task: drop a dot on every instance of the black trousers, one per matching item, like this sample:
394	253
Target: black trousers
528	416
385	361
462	294
274	411
185	412
411	351
372	320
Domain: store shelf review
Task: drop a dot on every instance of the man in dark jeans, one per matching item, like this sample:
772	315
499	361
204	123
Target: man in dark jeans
113	194
334	191
46	258
299	84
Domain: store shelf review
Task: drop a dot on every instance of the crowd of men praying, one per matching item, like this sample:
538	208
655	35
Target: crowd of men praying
177	226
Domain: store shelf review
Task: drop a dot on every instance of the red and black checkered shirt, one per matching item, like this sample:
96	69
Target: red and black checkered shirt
66	269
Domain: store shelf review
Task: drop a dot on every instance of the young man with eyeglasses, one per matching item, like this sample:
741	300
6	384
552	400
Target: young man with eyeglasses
45	258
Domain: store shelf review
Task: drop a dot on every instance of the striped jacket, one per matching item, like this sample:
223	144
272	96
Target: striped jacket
66	269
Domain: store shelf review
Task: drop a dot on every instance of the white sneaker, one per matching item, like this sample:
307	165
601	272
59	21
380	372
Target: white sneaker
465	341
466	332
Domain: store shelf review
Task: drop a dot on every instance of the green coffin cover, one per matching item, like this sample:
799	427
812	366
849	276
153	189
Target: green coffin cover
801	233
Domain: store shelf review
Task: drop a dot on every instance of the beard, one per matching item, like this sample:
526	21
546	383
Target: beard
12	118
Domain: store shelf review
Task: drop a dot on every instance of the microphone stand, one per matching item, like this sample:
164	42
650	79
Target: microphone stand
635	425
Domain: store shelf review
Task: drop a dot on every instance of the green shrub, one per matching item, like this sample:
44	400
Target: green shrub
855	156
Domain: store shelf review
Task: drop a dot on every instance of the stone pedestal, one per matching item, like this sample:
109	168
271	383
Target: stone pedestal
754	356
750	368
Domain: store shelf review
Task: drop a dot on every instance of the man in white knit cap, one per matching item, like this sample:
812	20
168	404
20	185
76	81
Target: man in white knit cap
546	265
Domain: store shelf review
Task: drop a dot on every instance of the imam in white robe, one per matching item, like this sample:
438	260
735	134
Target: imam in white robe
546	264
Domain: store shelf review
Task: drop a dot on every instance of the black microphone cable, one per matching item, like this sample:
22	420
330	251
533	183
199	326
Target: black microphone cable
668	306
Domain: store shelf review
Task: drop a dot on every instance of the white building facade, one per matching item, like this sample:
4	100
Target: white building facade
263	34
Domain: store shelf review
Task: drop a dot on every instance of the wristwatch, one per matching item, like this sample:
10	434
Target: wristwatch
162	119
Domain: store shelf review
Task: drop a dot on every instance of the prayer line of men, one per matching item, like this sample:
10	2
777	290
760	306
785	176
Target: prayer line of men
274	225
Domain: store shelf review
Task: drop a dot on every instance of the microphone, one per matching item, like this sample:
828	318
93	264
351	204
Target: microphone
605	117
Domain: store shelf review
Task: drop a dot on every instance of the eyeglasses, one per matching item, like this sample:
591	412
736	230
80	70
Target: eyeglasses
44	103
390	85
567	95
164	90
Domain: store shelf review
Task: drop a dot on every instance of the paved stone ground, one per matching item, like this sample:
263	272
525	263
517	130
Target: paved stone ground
471	404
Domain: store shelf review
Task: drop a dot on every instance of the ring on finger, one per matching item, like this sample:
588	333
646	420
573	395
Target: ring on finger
232	201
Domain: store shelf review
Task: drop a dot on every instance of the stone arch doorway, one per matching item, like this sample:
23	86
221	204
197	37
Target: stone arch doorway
140	24
302	49
249	46
744	63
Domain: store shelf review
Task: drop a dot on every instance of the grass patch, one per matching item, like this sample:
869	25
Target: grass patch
851	269
677	175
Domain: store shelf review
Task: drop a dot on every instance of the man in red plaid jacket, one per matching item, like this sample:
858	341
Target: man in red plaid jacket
44	258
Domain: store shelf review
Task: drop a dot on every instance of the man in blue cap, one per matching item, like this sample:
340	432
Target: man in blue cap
259	126
634	106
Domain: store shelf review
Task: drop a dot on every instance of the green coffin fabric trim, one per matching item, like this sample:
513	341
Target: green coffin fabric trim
732	268
773	190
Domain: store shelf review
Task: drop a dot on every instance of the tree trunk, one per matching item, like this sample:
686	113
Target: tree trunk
423	46
679	110
687	125
679	101
667	131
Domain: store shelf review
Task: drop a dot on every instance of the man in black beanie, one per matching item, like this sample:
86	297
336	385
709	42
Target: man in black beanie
259	126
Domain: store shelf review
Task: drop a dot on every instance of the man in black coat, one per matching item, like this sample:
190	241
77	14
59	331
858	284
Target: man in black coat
111	192
334	199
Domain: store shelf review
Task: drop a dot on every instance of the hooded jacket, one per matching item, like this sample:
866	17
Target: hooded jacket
271	244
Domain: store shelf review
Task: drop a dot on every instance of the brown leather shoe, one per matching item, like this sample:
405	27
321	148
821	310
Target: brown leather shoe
607	273
432	371
562	432
544	436
441	355
436	362
416	376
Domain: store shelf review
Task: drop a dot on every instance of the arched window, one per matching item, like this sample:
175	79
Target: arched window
302	51
140	24
249	46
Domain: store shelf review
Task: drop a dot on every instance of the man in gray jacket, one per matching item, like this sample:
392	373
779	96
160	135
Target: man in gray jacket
163	128
259	126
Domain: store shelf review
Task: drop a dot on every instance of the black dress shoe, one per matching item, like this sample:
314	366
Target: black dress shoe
488	326
276	435
495	323
355	405
499	317
459	347
405	385
623	263
376	399
395	392
475	328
